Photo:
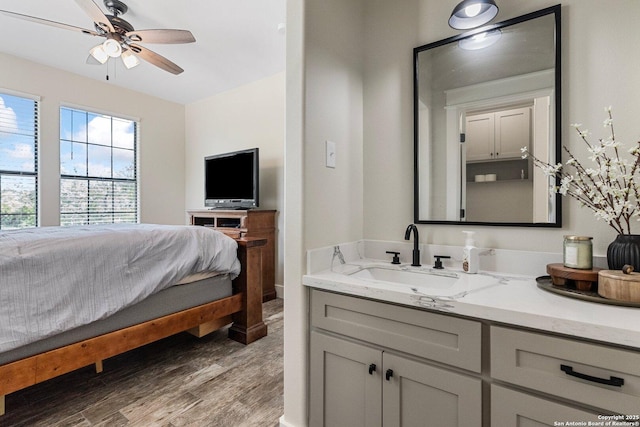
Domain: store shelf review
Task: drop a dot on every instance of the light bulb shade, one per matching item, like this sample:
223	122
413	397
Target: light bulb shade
99	54
472	13
112	48
481	40
129	59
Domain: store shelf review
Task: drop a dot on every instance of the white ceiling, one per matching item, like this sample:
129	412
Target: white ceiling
237	42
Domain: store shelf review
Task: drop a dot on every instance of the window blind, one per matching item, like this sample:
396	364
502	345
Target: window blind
98	175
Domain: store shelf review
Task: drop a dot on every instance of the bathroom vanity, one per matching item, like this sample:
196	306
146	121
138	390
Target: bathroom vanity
496	351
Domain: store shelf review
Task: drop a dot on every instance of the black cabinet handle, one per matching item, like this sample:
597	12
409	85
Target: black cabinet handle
372	368
388	374
613	381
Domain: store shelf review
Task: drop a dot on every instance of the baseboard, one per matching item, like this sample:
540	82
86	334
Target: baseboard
279	291
283	423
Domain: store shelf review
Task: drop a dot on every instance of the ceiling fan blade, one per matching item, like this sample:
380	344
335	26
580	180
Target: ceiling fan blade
96	14
155	59
50	23
161	36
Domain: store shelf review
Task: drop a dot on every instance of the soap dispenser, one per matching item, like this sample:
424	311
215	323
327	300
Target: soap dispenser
470	256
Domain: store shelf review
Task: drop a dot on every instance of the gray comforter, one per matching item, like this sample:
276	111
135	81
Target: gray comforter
54	279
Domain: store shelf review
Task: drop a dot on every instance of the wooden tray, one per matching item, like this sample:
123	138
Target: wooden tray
584	280
545	282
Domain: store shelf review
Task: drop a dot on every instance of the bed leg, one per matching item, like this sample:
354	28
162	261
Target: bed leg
99	367
248	325
2	405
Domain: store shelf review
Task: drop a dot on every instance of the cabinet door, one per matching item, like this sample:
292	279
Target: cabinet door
480	135
343	392
417	394
512	408
513	130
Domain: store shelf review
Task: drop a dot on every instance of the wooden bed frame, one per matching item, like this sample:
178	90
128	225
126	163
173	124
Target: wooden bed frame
243	308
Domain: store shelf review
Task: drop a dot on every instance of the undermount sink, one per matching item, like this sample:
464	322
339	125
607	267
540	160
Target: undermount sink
417	278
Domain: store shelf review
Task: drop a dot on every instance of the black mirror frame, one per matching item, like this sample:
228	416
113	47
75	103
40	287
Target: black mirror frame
556	11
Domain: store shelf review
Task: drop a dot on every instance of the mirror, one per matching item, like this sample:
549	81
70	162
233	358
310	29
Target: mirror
480	97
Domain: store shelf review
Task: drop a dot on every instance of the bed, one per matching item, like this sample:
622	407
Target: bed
74	296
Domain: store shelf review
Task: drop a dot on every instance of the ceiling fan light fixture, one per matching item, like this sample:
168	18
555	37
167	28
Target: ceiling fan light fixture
129	59
98	53
112	48
472	13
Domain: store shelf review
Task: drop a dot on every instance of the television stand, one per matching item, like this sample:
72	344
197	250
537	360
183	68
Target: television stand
238	223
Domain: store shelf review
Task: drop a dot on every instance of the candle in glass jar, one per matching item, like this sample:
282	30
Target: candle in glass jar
578	252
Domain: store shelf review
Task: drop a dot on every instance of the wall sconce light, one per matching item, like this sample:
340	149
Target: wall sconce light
472	13
481	40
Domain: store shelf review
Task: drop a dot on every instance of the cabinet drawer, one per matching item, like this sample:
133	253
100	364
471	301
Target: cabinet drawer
512	408
445	339
568	368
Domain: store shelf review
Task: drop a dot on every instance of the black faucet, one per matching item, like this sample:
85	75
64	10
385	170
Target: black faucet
416	251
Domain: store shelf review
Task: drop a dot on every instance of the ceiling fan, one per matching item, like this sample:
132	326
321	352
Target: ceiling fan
121	38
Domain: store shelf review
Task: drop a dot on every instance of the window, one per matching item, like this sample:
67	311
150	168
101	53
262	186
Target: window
98	177
18	162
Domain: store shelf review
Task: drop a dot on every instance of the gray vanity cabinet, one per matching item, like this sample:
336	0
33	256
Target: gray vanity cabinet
581	374
346	389
375	364
383	364
517	409
419	394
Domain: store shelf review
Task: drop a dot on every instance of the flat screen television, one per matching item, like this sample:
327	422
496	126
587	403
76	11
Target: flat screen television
231	180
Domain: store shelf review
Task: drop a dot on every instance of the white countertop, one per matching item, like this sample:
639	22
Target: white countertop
505	298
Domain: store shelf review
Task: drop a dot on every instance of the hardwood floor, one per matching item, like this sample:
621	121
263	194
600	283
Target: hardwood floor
175	382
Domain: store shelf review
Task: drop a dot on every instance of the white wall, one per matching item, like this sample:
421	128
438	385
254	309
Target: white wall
323	206
246	117
391	35
160	149
600	63
333	202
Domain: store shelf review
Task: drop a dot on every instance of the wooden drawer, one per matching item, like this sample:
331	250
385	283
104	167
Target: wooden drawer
512	408
554	365
444	339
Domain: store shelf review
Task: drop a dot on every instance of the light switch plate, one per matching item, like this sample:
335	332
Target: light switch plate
331	154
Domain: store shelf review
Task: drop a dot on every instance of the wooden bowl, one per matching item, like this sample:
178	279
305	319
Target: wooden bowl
616	285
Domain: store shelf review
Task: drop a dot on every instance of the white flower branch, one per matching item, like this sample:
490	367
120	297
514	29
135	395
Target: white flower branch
609	188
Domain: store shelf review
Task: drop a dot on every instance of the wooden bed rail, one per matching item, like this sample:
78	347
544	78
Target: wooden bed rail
245	306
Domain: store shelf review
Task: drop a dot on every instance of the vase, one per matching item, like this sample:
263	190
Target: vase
624	250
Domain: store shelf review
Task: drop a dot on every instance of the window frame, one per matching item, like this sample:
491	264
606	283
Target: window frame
89	215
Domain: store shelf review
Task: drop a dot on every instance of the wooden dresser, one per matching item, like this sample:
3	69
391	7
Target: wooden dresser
246	223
